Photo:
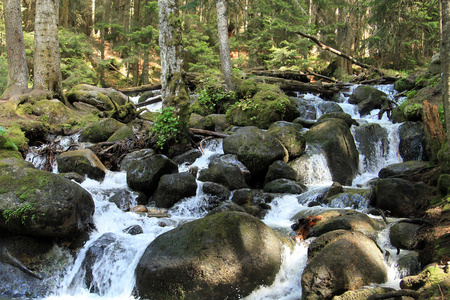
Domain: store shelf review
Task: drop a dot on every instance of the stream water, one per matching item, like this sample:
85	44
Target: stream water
113	273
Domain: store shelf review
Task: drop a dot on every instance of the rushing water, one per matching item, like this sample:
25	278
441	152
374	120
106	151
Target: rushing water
113	273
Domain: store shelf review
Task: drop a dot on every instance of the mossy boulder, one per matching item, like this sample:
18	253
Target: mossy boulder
101	98
83	162
224	173
338	115
268	105
135	156
144	175
123	133
200	122
404	84
173	188
224	255
255	148
290	136
52	111
344	260
100	131
40	203
334	138
365	92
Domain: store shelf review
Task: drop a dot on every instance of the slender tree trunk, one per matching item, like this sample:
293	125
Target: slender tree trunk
145	69
64	13
445	59
47	59
17	61
224	43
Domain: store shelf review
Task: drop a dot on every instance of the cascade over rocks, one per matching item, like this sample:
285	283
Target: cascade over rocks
41	203
144	175
224	255
336	141
373	141
174	187
367	98
342	260
83	162
256	149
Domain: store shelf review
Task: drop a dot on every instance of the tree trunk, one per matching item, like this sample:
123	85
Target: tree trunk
47	59
145	69
224	43
17	61
445	59
64	13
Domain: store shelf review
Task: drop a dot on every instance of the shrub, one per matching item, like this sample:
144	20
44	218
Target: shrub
166	126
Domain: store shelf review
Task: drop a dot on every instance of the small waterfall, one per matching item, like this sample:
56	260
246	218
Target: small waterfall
111	275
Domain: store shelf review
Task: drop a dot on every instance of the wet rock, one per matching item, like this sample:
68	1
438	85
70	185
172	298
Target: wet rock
144	175
41	203
290	136
83	162
356	199
402	169
73	176
373	142
174	187
188	157
401	198
200	122
363	294
344	261
232	160
220	122
409	264
284	186
280	169
139	209
403	235
233	253
100	131
411	145
220	192
134	230
364	92
256	149
335	189
327	107
334	137
135	156
123	133
227	174
338	115
242	197
306	123
227	206
123	199
349	220
307	110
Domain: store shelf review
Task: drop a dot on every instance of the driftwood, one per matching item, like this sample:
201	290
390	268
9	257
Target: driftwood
290	75
208	133
149	101
339	53
140	89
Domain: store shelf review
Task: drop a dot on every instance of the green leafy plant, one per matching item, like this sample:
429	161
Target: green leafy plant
21	214
166	126
3	74
9	143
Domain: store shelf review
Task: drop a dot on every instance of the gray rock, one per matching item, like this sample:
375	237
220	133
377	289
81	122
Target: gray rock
135	156
290	136
83	162
100	131
174	187
411	145
402	169
280	169
373	142
225	255
403	235
284	186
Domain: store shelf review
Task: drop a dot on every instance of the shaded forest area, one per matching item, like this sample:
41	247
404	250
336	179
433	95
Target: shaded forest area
115	43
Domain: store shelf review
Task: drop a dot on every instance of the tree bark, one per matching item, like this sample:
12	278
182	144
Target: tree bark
224	43
47	59
17	61
339	53
445	59
145	69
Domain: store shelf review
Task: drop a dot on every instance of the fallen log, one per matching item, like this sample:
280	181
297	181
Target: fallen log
395	294
140	89
209	133
339	53
290	75
297	86
149	101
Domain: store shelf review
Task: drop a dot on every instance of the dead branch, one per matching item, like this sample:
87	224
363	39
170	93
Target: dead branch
208	133
150	101
339	53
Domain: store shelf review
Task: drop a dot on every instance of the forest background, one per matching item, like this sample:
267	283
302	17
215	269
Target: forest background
115	43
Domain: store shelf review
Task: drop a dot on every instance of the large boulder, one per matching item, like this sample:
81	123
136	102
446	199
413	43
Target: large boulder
135	156
174	187
279	169
367	98
100	131
224	255
41	203
256	149
284	186
290	135
403	235
412	137
336	141
345	260
144	175
402	169
224	173
83	162
326	107
373	142
338	115
401	197
350	220
101	98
